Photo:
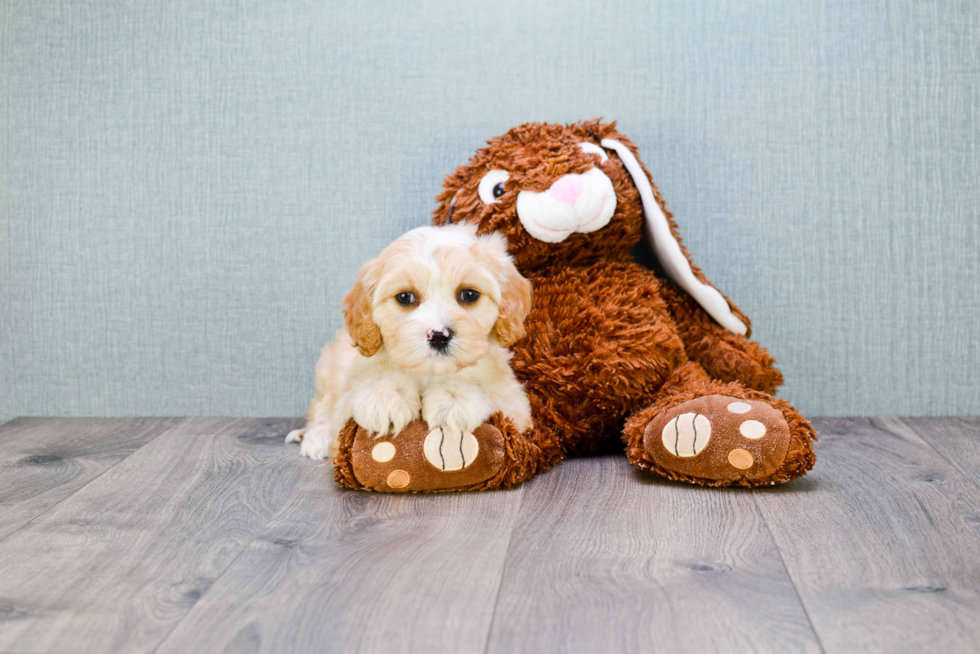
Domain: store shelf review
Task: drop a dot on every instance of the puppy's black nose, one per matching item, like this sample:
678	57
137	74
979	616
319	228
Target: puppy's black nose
439	338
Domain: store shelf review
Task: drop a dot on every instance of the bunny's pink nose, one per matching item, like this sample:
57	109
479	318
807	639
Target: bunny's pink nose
567	188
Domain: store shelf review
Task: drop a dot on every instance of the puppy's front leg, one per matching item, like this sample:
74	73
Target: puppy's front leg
386	403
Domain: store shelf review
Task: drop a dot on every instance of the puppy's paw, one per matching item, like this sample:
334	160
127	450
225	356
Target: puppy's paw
524	423
318	443
458	408
295	436
383	406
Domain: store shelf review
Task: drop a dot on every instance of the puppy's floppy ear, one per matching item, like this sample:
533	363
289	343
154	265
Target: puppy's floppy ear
357	311
515	304
515	292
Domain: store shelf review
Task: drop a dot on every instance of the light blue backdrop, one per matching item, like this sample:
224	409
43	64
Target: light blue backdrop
188	188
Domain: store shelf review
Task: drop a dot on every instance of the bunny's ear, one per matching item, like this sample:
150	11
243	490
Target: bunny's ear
668	250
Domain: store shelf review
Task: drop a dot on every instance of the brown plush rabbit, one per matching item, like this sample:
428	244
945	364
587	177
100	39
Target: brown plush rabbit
613	350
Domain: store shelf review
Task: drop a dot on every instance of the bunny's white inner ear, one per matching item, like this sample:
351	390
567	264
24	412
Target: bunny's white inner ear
668	250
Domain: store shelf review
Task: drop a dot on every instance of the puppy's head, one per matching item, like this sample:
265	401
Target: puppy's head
436	298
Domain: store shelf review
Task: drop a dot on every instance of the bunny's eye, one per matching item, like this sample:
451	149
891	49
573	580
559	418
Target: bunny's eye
492	186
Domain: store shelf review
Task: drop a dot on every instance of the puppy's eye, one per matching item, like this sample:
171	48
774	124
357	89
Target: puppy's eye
492	186
468	296
405	299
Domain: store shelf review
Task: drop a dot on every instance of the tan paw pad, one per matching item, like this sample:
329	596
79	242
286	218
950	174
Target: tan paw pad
741	459
398	479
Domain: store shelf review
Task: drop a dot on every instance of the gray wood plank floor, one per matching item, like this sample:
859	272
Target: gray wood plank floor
210	535
606	558
43	461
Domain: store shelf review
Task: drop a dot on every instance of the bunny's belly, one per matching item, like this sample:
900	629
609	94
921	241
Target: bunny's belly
600	344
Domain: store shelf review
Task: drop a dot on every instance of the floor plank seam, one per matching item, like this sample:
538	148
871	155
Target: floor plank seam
503	569
952	462
86	484
244	548
789	575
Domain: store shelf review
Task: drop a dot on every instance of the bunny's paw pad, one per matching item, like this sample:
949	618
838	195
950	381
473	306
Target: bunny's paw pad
423	459
717	437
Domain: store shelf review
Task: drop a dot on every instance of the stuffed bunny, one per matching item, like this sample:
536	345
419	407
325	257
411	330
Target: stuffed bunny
613	350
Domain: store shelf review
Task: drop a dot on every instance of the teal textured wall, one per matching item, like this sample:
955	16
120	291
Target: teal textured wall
187	189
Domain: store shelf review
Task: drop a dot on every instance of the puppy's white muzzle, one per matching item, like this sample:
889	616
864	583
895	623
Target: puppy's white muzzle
573	204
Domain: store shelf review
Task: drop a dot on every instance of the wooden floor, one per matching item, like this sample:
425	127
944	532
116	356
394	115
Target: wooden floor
211	535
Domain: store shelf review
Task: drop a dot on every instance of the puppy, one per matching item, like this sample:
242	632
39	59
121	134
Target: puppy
427	324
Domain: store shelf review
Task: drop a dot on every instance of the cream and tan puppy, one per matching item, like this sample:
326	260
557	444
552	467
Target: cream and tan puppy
428	324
